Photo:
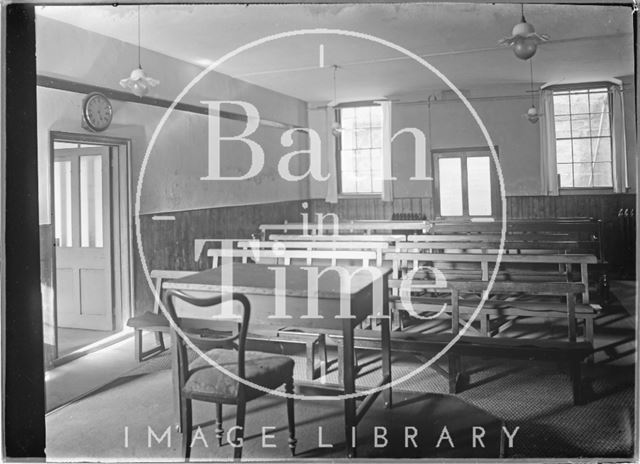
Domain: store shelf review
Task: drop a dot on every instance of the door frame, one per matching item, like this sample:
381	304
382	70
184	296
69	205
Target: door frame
121	250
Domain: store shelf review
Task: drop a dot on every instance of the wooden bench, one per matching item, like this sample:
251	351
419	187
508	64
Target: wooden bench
399	261
578	229
377	247
346	227
571	353
511	307
286	257
388	238
490	242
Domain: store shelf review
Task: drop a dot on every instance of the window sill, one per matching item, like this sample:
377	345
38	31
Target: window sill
345	196
586	191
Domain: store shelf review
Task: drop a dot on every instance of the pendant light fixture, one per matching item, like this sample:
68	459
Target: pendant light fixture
532	113
524	40
138	82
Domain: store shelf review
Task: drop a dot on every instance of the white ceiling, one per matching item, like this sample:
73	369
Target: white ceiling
588	42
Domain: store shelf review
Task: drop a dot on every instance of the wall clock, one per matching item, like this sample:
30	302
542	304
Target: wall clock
97	112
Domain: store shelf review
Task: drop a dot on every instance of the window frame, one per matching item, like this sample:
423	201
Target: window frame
338	148
464	153
577	87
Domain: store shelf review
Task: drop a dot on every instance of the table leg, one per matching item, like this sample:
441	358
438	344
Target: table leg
584	277
177	411
385	334
349	386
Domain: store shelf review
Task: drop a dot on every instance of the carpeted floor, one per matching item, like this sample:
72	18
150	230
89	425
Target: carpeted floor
533	396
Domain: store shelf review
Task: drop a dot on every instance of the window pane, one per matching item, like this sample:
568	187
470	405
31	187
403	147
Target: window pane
363	138
347	160
565	172
62	203
363	182
582	175
376	116
580	125
563	151
599	124
347	116
363	161
561	103
479	185
602	175
376	159
601	149
348	182
376	138
450	177
363	118
376	181
563	127
91	201
579	102
598	102
347	139
360	149
581	150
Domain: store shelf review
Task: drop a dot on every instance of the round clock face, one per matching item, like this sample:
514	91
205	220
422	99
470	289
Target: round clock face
97	111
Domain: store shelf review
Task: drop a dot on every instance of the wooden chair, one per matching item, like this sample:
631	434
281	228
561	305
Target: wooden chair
203	382
153	321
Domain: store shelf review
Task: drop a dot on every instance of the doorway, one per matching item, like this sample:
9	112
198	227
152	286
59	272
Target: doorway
89	269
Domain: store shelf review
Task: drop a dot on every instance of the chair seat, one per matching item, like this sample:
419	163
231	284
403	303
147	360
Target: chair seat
148	319
207	383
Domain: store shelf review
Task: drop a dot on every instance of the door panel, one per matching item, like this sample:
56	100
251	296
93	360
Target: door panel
82	195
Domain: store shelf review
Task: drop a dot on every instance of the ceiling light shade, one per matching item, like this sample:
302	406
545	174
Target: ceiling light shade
532	114
336	129
524	39
525	47
138	82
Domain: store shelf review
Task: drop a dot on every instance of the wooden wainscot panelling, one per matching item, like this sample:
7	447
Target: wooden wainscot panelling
169	244
371	208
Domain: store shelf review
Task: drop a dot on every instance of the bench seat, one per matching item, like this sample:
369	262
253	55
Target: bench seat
571	353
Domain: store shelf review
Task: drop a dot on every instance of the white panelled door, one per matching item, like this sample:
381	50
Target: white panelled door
82	213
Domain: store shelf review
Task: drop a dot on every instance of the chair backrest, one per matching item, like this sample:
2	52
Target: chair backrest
207	338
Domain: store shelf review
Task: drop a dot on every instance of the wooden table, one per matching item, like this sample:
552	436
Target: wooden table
257	282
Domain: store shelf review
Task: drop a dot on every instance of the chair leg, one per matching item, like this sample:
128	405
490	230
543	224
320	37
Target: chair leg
219	429
322	342
288	387
137	335
239	439
186	426
311	371
160	340
340	363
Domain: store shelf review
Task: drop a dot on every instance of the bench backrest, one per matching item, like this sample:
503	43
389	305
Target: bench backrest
346	227
559	246
319	257
389	238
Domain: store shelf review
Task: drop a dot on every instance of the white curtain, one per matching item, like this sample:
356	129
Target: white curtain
548	166
618	141
387	183
330	154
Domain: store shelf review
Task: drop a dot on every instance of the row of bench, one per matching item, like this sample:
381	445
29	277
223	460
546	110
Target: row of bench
571	351
462	264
